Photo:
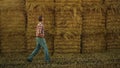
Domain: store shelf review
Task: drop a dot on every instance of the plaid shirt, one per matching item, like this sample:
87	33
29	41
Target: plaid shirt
40	30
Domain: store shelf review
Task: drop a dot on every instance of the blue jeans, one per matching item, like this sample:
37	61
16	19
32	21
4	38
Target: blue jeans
40	42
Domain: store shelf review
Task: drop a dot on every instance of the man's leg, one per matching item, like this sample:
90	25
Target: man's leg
44	45
35	51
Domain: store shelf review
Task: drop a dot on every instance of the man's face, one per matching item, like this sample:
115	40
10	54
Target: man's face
42	18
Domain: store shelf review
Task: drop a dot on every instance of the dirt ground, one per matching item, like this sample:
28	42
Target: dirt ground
109	59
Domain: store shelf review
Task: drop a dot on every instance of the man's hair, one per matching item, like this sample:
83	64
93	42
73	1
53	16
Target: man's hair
40	18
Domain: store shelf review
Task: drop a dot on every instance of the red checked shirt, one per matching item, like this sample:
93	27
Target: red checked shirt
40	30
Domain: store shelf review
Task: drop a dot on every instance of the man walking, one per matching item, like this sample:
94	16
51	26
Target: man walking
40	41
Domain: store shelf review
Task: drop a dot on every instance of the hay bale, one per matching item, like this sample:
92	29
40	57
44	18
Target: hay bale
67	28
59	15
113	29
93	24
93	43
91	2
93	29
113	20
0	30
12	30
40	1
109	2
113	40
70	1
93	20
11	43
81	22
8	4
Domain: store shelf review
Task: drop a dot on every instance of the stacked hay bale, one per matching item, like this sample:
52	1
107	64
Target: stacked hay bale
12	26
0	30
68	27
93	29
67	39
113	24
34	10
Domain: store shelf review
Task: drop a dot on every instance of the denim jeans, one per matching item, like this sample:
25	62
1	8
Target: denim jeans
40	42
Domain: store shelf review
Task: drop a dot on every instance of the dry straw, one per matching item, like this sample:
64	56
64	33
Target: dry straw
69	25
12	26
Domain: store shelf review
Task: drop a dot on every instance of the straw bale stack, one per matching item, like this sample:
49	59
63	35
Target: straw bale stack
91	2
113	26
71	26
39	1
93	43
12	26
93	29
109	2
68	23
8	4
93	24
113	41
113	19
0	30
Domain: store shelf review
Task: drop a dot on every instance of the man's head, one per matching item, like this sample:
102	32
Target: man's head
40	18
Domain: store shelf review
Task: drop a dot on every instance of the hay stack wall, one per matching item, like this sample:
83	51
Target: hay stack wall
74	26
113	24
93	29
68	23
12	26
